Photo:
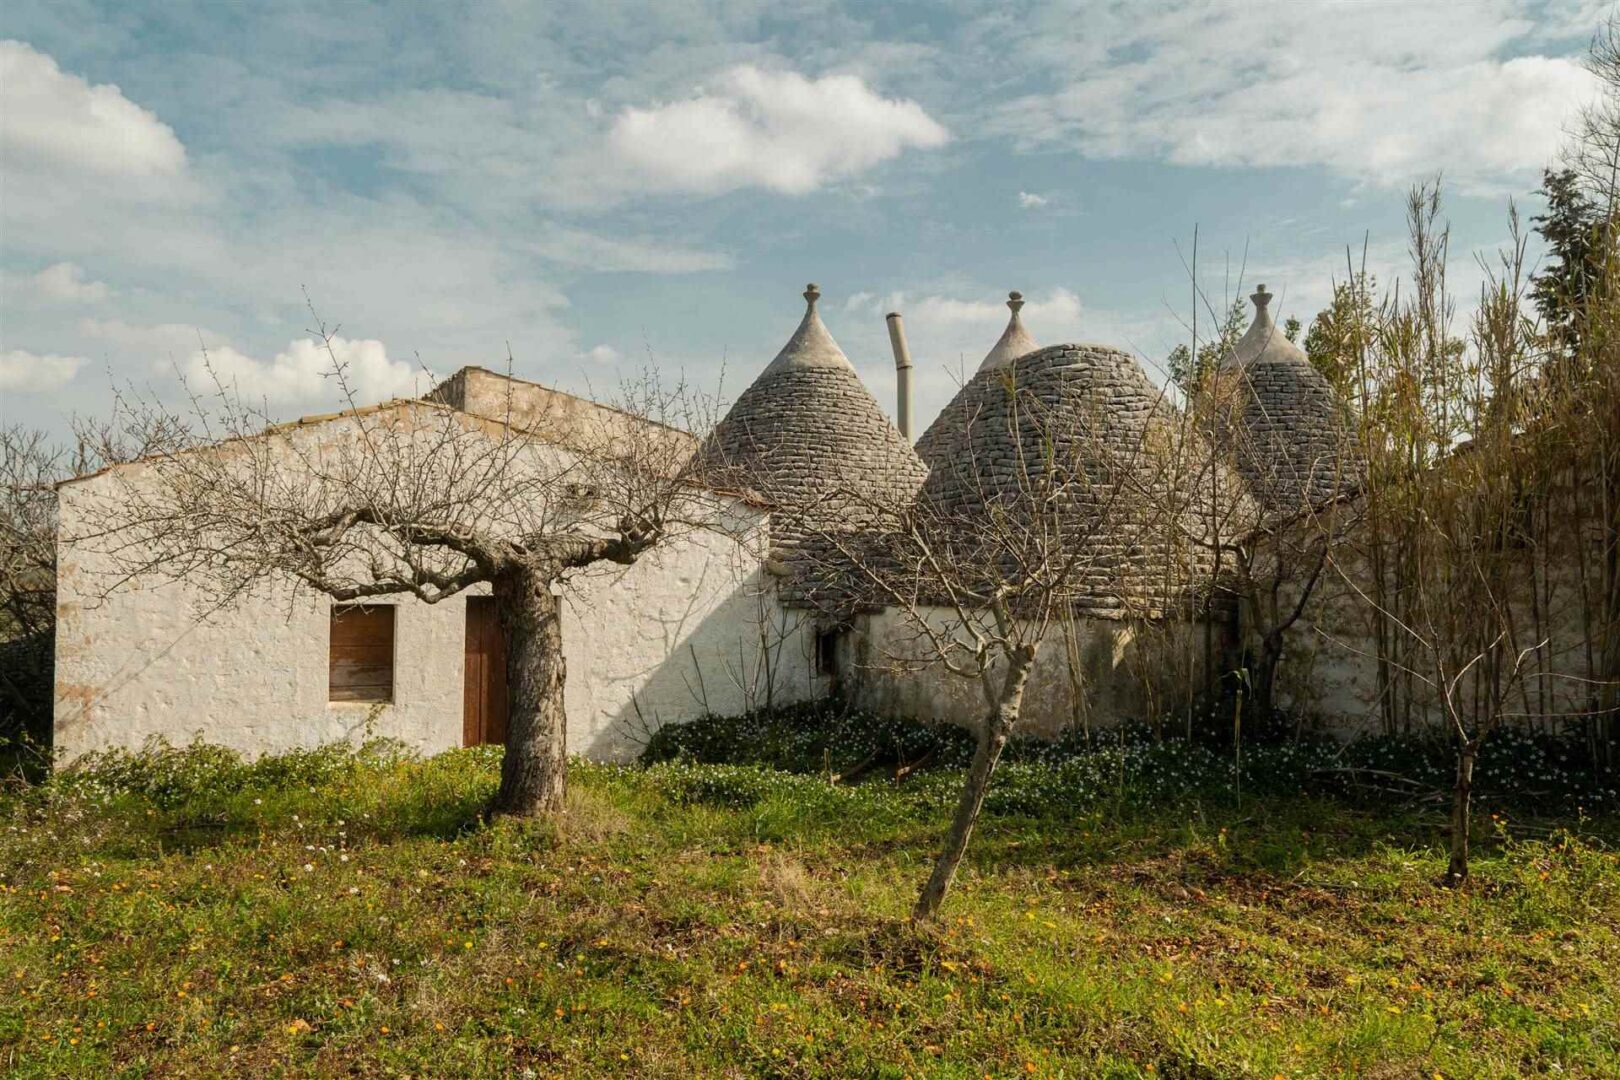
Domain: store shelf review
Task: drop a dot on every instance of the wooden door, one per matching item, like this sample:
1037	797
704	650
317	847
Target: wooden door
484	697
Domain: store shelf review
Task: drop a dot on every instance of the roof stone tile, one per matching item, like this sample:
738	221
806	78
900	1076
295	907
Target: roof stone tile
1286	427
1095	409
808	435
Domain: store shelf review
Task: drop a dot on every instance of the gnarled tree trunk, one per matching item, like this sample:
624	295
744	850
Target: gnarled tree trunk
534	770
998	725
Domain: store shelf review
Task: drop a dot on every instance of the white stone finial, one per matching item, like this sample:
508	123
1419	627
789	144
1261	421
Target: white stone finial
1262	340
811	346
1262	307
1015	340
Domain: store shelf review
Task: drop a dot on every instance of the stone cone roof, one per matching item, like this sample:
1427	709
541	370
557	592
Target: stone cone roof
1134	521
1283	423
809	437
1015	341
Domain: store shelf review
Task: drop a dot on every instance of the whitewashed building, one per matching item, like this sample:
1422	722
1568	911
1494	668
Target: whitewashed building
692	626
707	623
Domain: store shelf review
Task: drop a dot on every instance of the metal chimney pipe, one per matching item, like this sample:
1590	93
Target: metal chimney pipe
902	373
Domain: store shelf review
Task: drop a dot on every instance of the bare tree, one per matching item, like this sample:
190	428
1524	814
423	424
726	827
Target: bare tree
1049	509
418	499
1275	569
31	466
1585	409
1594	149
29	469
1275	418
1463	643
1578	295
1297	455
1475	446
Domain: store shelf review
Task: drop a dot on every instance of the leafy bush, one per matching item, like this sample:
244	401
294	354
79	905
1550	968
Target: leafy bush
25	704
1541	769
170	776
810	737
1127	764
773	765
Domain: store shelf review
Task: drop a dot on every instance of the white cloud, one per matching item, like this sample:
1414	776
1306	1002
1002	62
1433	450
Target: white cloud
54	117
1571	19
1058	310
304	373
24	372
1385	96
577	247
1031	201
602	354
776	130
169	340
448	222
64	282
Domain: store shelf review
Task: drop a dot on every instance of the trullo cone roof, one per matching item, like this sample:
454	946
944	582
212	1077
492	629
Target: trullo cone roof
809	436
1015	341
1133	523
1286	427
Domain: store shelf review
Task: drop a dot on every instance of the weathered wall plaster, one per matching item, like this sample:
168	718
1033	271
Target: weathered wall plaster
1330	669
1088	672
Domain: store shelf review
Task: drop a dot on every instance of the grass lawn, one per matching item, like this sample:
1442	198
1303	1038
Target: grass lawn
327	916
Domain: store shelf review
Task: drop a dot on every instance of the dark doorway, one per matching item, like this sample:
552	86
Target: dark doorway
484	703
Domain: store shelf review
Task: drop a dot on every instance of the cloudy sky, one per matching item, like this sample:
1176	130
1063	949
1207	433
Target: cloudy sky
590	185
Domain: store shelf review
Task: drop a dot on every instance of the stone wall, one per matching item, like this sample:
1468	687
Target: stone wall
1331	666
562	418
1090	672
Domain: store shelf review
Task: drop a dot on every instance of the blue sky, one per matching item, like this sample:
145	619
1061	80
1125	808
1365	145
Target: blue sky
593	184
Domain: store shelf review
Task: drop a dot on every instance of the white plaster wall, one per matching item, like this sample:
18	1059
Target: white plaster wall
1329	669
152	660
692	627
689	627
1088	672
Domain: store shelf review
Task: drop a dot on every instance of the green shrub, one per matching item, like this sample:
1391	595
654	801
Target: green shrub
1128	764
775	764
810	737
200	774
26	694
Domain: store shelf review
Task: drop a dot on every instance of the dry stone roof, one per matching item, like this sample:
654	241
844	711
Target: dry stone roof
1136	510
1015	341
809	436
1285	426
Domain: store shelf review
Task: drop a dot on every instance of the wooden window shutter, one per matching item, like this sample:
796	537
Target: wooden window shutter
362	667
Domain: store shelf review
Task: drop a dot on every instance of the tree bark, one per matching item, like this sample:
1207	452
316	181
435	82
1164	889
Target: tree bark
534	770
1263	692
998	725
1462	813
